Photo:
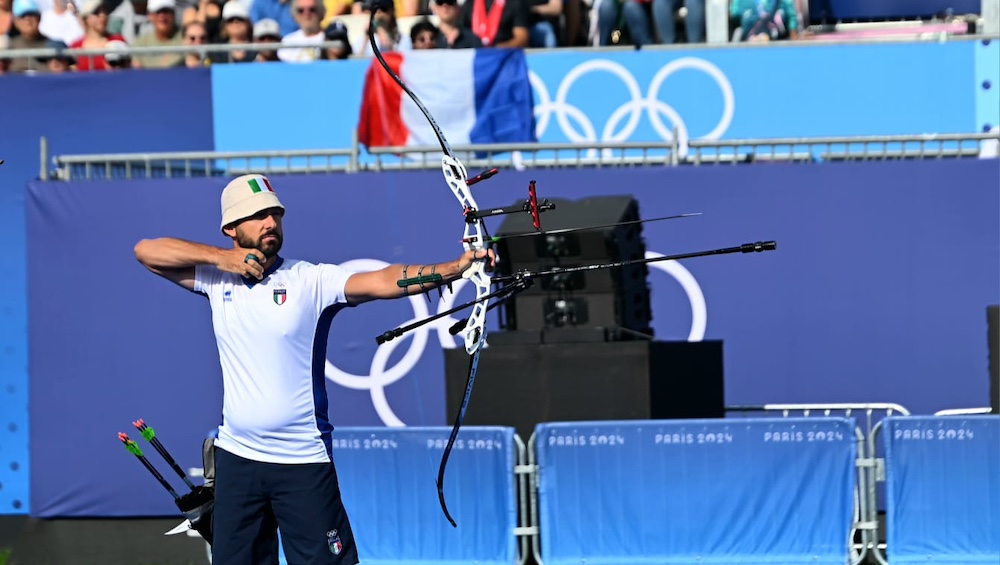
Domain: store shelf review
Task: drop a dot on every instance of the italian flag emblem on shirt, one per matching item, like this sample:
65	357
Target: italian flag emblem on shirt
256	187
279	296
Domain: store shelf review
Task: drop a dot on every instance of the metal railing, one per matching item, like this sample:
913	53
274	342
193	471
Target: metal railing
354	159
134	50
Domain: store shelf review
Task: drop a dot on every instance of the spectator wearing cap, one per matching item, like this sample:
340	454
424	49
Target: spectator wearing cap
453	34
94	14
267	31
277	10
26	19
165	33
117	55
498	23
59	22
336	32
308	14
424	35
236	28
387	35
61	62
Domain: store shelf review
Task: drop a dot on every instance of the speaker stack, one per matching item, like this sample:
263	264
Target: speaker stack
614	301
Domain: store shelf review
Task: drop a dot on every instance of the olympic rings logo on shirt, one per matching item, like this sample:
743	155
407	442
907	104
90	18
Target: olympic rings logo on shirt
381	374
631	111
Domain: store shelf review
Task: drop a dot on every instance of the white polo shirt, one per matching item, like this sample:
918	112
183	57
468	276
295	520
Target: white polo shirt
272	337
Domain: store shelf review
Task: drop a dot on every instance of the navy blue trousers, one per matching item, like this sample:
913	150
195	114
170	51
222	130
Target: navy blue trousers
254	499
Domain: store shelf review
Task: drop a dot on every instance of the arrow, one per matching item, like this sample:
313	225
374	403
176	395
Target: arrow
755	247
497	238
135	450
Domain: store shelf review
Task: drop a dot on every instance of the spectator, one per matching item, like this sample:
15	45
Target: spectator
402	8
543	19
236	29
765	20
453	34
165	32
694	21
117	56
6	19
387	35
4	45
614	17
308	15
61	62
208	12
267	31
497	23
194	33
337	33
277	10
96	36
424	35
26	19
59	22
334	8
574	27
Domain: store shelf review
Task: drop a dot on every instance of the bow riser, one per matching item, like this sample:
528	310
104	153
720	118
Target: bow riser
474	239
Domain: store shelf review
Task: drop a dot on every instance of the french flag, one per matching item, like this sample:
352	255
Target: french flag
474	95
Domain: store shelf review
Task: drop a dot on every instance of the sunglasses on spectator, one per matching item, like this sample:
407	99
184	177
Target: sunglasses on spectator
307	10
231	20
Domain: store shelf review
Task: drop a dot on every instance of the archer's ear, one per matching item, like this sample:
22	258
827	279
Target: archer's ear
229	231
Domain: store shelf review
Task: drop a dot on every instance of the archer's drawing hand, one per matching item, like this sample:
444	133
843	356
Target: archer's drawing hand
473	256
237	260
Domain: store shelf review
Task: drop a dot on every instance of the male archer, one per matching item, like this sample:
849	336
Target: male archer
271	315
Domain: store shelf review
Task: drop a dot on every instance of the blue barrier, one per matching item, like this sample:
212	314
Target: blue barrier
943	489
753	491
387	483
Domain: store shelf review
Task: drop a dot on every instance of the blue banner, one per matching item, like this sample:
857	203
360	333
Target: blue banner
877	292
705	491
77	113
943	489
719	93
387	482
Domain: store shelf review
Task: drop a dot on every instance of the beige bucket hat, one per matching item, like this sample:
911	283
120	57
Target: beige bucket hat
246	195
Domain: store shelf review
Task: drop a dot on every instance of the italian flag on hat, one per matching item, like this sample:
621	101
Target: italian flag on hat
246	195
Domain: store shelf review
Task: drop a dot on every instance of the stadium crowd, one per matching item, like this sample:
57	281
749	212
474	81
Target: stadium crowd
339	28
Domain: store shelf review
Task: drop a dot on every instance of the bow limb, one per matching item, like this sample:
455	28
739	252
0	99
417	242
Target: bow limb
475	239
473	365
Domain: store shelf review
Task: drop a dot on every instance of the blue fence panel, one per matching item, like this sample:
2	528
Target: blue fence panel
387	479
752	491
943	489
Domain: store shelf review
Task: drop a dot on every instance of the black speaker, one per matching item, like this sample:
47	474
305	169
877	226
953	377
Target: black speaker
617	297
523	384
993	338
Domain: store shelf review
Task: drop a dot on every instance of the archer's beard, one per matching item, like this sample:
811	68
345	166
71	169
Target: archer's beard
270	247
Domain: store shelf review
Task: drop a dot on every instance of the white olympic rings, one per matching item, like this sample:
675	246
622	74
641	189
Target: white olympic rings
631	111
381	375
